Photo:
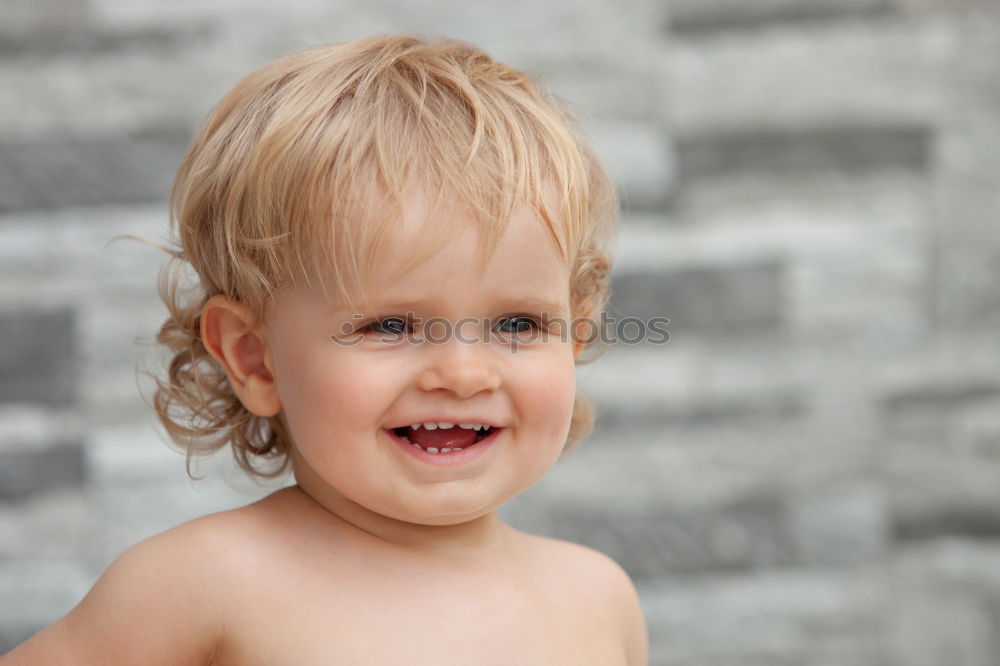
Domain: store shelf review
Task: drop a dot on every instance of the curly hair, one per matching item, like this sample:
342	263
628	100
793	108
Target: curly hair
302	170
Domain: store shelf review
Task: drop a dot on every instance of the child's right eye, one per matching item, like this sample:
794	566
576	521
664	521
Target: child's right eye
394	326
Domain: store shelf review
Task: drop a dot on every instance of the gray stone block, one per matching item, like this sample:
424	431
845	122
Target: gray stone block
760	408
809	617
38	357
698	17
944	604
666	392
940	461
27	16
936	399
600	87
23	473
755	532
641	159
851	74
59	42
922	606
977	522
938	625
48	173
127	513
958	6
843	527
941	464
660	541
792	152
84	253
56	524
966	271
710	299
38	591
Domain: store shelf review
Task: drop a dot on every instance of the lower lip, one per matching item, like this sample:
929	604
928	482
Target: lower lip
452	458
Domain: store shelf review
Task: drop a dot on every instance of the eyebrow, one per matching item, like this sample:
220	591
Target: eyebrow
532	303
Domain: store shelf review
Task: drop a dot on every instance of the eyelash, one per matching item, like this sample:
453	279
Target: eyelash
372	327
535	324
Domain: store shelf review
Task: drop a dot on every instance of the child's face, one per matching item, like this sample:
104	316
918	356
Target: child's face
343	401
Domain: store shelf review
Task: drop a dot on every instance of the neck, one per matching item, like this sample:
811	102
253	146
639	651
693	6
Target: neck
483	533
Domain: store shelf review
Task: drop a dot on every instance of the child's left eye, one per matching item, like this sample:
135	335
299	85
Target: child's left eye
516	324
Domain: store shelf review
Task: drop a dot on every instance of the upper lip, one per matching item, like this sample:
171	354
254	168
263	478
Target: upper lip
449	419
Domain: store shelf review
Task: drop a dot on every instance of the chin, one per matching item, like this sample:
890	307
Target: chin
447	513
444	521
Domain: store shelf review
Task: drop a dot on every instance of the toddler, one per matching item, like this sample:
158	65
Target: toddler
398	244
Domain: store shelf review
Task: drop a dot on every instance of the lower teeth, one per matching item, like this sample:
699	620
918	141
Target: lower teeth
431	449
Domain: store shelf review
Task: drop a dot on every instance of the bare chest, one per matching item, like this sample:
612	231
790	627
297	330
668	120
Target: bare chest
420	622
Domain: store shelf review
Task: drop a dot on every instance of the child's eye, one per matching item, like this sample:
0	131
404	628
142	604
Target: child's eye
394	326
516	324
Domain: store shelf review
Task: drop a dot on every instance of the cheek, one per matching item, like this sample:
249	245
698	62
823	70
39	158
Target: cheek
550	389
330	392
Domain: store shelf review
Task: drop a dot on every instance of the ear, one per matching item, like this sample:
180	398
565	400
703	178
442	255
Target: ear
235	339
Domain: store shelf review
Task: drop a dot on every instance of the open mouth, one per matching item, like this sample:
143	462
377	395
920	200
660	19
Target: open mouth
444	437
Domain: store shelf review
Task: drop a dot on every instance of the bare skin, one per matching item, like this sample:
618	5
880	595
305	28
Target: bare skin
286	581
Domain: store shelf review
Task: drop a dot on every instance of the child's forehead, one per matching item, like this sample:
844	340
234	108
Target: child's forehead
388	258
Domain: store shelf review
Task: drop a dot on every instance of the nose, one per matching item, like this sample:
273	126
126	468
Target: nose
462	367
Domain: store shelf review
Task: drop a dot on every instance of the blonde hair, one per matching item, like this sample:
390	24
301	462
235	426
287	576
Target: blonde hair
302	170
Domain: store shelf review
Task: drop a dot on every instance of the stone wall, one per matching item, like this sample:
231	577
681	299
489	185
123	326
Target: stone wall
807	474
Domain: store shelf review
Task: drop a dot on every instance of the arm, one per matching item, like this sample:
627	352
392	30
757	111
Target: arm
153	605
633	622
610	588
618	593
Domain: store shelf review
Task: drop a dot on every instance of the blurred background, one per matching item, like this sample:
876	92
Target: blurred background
808	473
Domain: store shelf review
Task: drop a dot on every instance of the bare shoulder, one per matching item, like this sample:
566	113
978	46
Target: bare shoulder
162	601
594	578
576	560
571	562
